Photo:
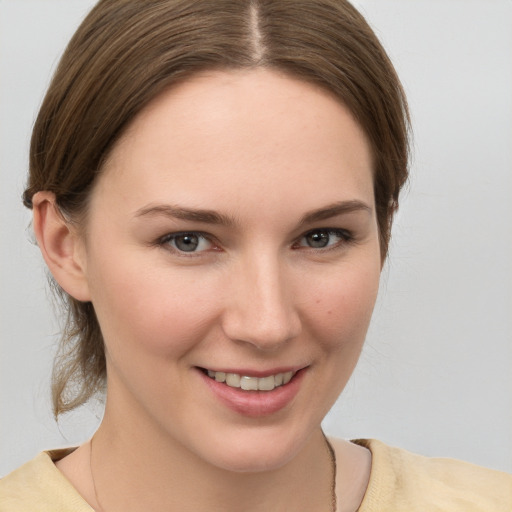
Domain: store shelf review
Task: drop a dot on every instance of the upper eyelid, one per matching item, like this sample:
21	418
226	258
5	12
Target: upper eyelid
340	231
184	232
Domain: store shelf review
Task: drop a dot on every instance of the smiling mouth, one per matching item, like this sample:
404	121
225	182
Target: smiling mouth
247	383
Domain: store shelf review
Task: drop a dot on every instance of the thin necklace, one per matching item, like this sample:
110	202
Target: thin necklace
332	457
330	451
99	508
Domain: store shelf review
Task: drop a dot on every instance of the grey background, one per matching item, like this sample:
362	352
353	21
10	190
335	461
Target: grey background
435	376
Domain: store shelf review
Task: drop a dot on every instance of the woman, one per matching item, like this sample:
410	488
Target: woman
213	190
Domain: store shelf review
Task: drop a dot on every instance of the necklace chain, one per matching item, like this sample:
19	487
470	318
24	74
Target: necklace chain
332	458
98	505
330	451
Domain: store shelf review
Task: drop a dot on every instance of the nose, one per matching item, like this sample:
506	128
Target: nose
261	308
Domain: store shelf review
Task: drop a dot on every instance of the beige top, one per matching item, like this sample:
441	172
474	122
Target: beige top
399	482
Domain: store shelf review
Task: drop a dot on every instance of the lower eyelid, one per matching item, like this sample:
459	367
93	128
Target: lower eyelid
340	232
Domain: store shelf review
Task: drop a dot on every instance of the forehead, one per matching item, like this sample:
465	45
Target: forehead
234	133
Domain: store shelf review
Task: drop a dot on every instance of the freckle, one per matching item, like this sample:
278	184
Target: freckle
318	301
329	312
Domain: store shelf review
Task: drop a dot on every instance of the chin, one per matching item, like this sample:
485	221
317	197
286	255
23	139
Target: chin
253	463
255	451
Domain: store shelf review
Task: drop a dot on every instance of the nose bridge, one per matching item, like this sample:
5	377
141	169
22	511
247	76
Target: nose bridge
262	310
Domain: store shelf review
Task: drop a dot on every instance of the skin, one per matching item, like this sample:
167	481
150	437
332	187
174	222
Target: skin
263	151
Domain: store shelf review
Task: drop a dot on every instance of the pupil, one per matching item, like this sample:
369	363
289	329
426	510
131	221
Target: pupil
187	243
318	239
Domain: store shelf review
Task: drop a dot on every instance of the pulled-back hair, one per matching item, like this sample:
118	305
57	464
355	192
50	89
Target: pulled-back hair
126	52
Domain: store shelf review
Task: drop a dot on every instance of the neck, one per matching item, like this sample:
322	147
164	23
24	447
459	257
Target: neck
136	470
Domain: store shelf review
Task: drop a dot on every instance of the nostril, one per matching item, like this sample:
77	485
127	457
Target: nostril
261	311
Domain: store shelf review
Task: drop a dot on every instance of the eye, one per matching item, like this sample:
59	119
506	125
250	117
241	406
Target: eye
324	238
187	242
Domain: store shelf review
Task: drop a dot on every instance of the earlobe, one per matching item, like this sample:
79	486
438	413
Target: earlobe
60	246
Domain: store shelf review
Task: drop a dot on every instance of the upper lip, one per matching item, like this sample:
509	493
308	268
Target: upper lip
252	372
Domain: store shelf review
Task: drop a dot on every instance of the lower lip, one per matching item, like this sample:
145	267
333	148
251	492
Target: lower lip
255	403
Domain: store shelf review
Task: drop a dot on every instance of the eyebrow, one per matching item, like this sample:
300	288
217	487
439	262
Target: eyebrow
191	214
335	209
214	217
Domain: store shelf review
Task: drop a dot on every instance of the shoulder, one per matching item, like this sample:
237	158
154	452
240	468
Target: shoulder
39	485
403	481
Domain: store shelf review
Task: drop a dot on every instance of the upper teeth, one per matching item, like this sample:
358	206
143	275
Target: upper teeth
235	380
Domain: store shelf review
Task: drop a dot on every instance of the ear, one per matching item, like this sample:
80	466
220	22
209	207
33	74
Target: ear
61	246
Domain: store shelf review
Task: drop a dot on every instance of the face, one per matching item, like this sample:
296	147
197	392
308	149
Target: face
232	236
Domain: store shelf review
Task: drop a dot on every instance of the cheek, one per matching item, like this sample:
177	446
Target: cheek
153	312
338	318
343	305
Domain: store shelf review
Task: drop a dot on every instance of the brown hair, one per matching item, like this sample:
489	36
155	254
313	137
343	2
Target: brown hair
127	51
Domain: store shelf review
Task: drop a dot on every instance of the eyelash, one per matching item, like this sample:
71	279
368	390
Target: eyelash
166	240
345	236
